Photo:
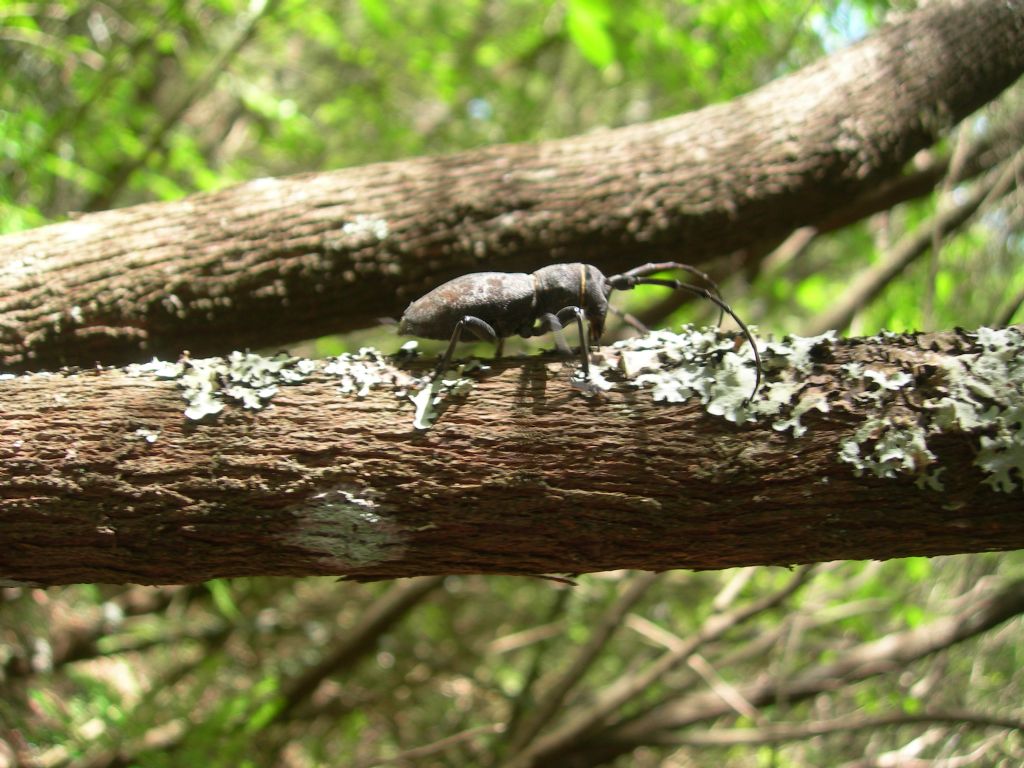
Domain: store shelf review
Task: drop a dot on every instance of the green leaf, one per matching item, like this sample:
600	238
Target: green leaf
223	599
378	14
586	22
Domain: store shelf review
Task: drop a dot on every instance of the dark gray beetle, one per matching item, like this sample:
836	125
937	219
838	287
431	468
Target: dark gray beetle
496	305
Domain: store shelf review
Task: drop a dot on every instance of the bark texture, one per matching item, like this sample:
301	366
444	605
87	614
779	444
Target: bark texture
274	261
104	480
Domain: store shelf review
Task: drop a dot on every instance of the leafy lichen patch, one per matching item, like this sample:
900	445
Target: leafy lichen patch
982	390
986	390
208	385
698	363
244	377
359	372
431	395
706	364
345	527
796	352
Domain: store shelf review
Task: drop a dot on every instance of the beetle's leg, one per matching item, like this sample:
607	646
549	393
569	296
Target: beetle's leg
547	323
551	324
481	328
584	347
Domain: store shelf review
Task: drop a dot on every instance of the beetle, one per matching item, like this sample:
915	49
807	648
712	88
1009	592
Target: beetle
496	305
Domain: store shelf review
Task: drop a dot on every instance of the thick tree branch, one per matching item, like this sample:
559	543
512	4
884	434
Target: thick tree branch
273	261
105	480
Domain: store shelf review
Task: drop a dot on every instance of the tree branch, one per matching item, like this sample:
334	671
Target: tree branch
869	283
778	732
273	261
990	607
105	480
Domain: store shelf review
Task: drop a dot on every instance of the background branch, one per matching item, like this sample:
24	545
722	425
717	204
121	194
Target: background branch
275	261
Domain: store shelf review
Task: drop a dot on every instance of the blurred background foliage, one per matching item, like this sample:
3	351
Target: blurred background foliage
106	104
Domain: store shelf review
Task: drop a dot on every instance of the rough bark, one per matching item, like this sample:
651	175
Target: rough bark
104	480
273	261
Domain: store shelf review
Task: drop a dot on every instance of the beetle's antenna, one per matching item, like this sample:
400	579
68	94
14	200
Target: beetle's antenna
627	280
704	293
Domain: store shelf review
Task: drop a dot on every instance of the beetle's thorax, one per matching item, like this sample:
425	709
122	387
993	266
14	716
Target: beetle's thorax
572	285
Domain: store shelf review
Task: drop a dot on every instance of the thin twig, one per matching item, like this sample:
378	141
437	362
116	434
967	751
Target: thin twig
427	750
629	686
778	732
602	633
870	283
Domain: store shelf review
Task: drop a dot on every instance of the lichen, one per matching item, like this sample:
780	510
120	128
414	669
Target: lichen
206	384
796	352
345	527
983	390
358	372
149	435
695	363
986	390
980	391
366	229
706	364
438	389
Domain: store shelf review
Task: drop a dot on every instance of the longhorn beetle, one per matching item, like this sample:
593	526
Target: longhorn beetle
496	305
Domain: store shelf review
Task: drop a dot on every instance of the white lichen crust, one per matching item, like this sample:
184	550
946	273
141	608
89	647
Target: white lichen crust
244	377
708	365
345	527
980	392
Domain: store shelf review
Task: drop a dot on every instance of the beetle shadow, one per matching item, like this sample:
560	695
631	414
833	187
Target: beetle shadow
531	389
535	374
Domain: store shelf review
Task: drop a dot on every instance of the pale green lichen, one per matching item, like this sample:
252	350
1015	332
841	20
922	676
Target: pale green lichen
883	446
796	352
886	449
814	401
980	391
986	391
345	527
694	363
149	435
208	383
359	372
452	383
706	364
